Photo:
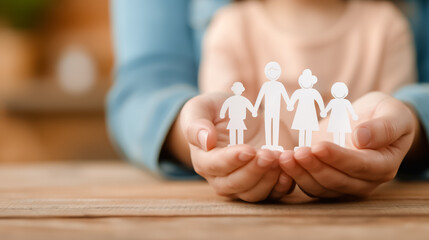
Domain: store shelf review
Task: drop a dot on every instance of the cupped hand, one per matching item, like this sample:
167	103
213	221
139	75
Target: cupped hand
375	150
237	171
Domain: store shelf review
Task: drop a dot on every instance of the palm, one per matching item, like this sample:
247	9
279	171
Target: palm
368	107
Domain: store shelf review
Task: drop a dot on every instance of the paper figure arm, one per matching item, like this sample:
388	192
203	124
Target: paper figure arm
292	101
328	108
259	98
251	108
351	110
225	107
319	101
285	96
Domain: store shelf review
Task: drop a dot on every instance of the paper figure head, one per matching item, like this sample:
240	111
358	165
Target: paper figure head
237	88
307	79
339	90
273	71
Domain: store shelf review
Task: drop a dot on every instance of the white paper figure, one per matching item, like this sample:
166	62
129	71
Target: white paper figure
305	119
272	91
237	106
339	122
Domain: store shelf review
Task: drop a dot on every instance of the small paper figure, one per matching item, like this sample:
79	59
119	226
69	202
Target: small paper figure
272	91
305	119
339	122
237	106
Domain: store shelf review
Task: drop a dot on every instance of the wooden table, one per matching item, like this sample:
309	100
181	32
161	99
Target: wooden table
113	200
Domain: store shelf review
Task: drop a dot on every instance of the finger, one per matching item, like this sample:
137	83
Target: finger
262	189
197	118
221	161
304	180
365	164
202	134
331	178
385	128
284	186
247	176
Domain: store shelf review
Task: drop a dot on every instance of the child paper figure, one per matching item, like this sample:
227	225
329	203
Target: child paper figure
272	91
305	119
237	106
339	123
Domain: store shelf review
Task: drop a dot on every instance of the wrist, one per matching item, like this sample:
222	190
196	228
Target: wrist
177	144
419	141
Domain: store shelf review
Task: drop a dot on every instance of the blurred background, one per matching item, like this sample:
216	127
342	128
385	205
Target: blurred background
55	69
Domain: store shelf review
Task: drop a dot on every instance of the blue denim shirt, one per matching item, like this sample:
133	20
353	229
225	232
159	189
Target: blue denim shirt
157	48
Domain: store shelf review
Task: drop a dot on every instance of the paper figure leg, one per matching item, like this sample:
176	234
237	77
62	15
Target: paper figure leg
308	135
276	125
240	137
301	138
342	139
232	137
337	138
268	131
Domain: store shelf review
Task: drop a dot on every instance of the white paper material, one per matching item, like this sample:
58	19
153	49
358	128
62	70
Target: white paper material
305	119
236	106
273	91
339	123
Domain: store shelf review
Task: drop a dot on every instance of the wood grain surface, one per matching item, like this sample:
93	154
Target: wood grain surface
114	200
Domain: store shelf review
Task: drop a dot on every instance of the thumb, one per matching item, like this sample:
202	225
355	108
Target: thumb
202	134
382	131
196	119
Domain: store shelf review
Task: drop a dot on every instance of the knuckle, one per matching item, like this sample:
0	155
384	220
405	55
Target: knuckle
389	129
252	198
234	186
362	168
222	193
197	168
389	176
219	189
212	169
339	186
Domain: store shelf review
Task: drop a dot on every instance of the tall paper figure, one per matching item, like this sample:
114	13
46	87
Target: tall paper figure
237	106
305	119
272	91
339	122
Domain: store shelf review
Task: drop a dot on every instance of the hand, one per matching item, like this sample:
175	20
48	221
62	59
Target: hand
254	113
238	171
380	142
290	108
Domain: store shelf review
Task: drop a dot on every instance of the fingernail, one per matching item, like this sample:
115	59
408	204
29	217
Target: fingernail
362	136
264	161
202	138
245	156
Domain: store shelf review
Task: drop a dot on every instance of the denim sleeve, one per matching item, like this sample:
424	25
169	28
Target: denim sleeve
417	96
155	75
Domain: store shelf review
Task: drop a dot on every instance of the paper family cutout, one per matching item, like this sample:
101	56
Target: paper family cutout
305	119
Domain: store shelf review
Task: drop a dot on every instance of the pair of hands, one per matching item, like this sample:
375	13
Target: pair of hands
376	148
